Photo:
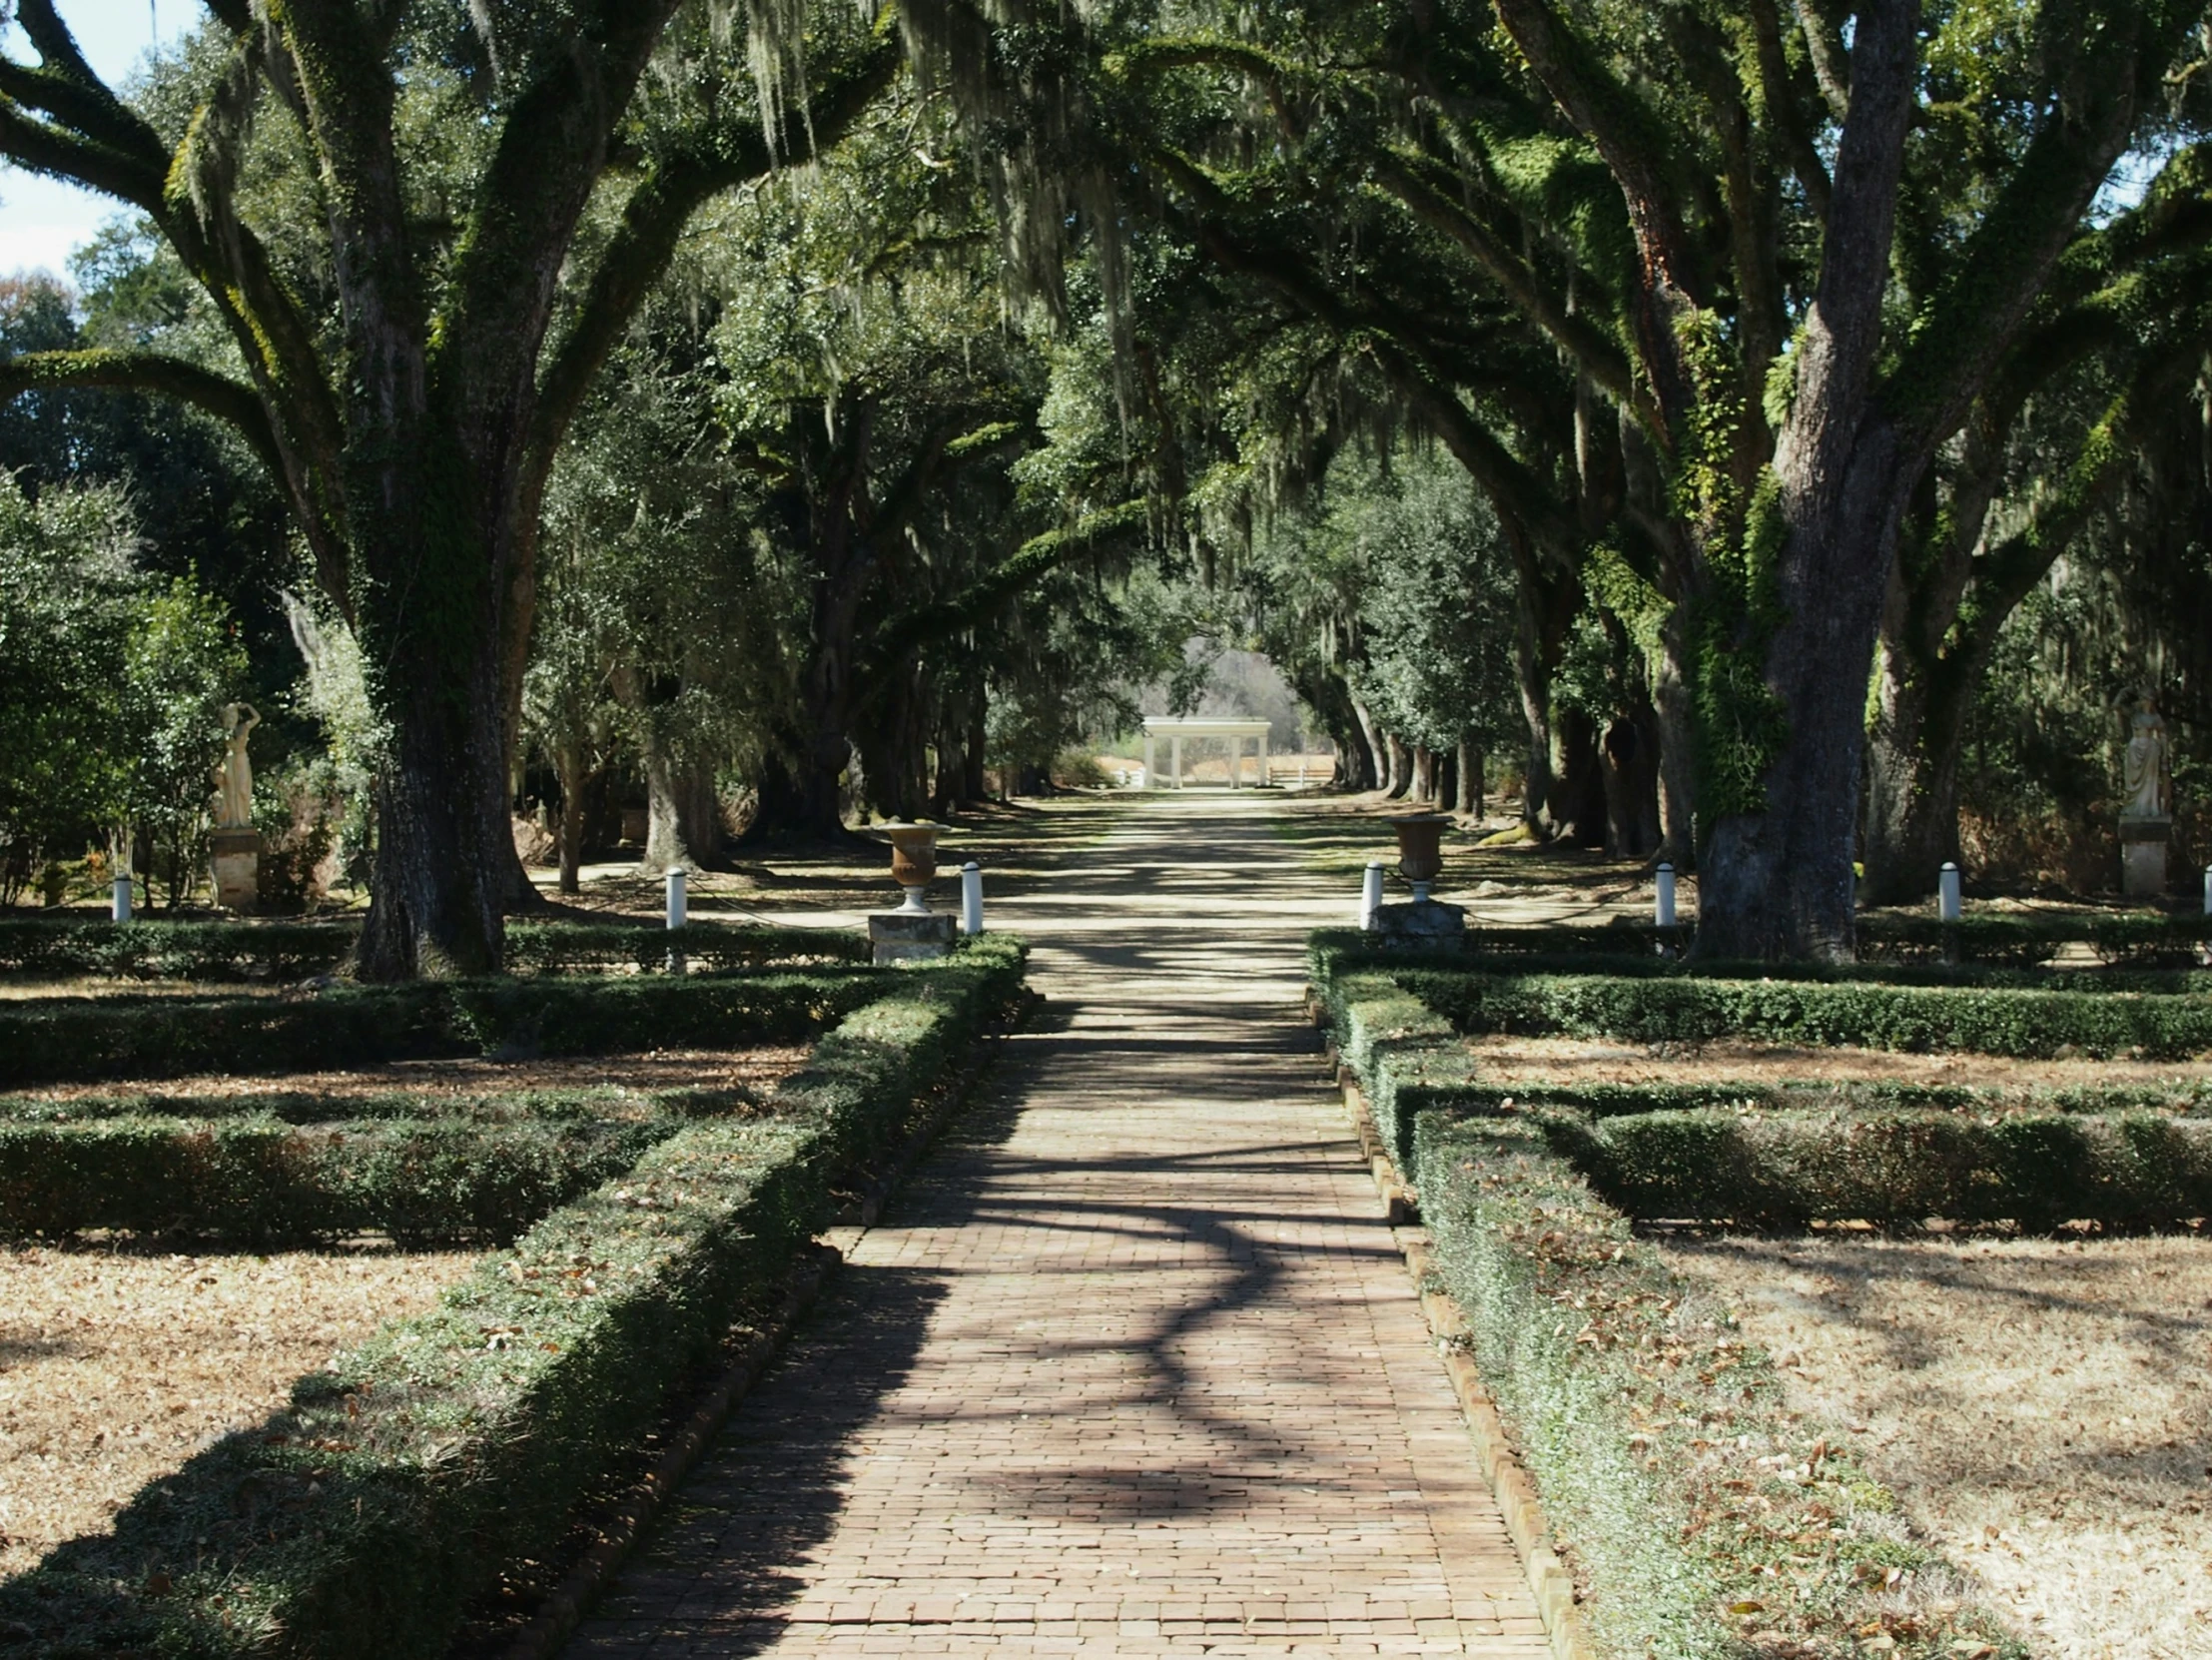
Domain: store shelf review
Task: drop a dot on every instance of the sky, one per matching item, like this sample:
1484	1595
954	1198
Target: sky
43	220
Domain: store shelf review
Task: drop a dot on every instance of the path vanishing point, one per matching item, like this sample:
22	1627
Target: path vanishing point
1133	1365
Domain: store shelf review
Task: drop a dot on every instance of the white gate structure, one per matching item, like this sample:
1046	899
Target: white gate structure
1175	728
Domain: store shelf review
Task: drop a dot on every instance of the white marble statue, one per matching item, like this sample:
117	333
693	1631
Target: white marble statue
233	774
2145	770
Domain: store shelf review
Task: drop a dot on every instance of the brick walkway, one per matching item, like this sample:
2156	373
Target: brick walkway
1132	1366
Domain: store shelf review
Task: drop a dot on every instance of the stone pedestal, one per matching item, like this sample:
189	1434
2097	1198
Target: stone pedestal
909	936
2143	844
237	861
1423	926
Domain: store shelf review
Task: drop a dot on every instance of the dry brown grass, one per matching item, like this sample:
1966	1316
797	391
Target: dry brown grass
1568	1061
2041	1407
115	1367
754	1070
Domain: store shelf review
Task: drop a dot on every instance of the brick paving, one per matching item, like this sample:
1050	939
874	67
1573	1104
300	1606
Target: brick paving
1133	1366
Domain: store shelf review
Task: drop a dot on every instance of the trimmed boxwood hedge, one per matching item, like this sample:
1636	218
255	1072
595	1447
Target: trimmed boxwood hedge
286	951
1683	1494
2018	940
1784	1170
61	1039
259	1181
1682	1008
293	1106
364	1518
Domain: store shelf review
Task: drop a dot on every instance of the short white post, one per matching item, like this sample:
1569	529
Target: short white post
1663	896
2208	890
119	909
1174	757
1948	896
1370	895
971	898
677	898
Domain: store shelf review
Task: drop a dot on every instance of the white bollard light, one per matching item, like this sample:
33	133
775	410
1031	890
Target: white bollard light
1663	896
1370	895
971	898
2208	890
120	908
676	908
1948	900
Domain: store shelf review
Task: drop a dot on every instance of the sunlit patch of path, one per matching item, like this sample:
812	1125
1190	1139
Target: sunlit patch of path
1134	1366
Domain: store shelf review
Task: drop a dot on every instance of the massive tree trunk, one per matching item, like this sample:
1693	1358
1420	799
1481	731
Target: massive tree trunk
1776	879
569	761
1469	779
683	813
799	799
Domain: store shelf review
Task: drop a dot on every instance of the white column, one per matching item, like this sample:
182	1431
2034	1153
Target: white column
1236	757
1264	760
1151	778
1174	751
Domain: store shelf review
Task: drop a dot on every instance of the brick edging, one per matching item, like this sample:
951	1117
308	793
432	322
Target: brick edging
1525	1521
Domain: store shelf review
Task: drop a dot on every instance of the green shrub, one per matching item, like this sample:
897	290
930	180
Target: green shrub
282	952
174	950
610	1101
1678	1007
256	1180
166	1037
1784	1170
1677	1483
364	1519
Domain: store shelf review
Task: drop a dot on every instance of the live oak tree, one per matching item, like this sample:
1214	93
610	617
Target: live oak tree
1790	251
423	228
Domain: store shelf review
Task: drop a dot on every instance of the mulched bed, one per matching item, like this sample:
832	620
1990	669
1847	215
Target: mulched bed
745	1071
116	1365
2042	1408
1568	1061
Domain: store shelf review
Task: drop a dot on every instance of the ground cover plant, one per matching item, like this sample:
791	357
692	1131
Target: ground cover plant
398	1482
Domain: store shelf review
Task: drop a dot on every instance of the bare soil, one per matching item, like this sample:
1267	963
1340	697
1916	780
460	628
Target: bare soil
1569	1061
115	1366
753	1071
2042	1408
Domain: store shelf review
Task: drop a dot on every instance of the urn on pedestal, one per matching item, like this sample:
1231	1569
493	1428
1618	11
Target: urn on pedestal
1421	850
913	930
1424	923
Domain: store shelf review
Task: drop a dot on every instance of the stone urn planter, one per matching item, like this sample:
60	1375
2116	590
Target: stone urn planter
1420	849
913	862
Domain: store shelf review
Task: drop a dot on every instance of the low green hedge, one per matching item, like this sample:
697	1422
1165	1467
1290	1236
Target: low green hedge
610	1101
1689	1504
174	950
257	1180
2021	940
1680	1008
364	1519
287	951
166	1037
1784	1170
